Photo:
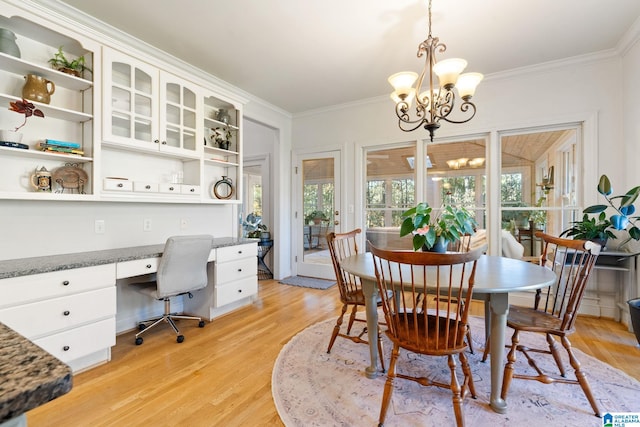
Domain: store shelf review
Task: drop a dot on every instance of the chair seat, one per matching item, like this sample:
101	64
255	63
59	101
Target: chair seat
147	288
528	319
441	338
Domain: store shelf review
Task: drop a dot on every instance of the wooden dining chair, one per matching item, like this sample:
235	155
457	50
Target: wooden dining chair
554	313
342	245
432	326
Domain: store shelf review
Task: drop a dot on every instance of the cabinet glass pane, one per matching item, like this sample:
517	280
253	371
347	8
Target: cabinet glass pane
121	126
143	130
143	82
189	141
173	93
189	99
121	74
189	119
143	105
173	137
173	115
121	99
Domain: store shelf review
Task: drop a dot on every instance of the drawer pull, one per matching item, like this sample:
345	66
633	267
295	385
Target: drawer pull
65	283
66	312
239	291
239	252
192	190
171	188
120	185
148	187
65	348
239	270
148	265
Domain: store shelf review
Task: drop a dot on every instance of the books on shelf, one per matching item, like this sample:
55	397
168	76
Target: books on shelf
61	147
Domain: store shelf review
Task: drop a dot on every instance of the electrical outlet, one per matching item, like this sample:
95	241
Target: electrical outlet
183	224
146	225
99	226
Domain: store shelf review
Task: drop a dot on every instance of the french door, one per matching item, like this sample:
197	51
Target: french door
317	187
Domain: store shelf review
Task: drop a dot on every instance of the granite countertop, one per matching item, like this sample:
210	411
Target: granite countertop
44	264
29	376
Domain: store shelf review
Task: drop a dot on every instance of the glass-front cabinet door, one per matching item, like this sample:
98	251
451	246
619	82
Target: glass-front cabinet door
130	101
179	116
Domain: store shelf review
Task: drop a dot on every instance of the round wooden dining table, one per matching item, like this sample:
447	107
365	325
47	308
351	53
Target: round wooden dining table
495	278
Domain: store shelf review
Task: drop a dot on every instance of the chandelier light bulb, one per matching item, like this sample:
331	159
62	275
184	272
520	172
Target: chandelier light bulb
467	84
448	71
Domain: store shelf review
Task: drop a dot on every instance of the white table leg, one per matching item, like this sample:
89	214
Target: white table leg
370	291
499	305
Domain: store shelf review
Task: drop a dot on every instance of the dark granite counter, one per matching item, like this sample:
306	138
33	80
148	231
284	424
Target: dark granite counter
45	264
29	376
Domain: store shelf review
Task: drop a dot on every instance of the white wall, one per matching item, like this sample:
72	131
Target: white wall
35	228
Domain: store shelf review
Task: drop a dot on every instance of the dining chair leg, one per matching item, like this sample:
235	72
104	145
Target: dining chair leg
380	349
468	378
469	340
553	348
388	385
508	369
352	318
487	348
457	392
336	329
580	375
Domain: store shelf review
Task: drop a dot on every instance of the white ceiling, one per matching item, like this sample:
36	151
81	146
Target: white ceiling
306	54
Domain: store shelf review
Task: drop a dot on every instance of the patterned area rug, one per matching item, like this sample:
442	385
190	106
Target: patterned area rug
308	282
313	388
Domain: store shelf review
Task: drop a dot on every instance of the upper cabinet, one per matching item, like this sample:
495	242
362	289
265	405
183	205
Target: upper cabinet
68	104
149	109
131	127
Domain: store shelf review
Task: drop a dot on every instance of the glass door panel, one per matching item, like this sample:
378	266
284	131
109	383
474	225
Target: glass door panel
320	213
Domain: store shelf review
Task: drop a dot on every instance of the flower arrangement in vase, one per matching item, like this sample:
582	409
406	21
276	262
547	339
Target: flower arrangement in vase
451	224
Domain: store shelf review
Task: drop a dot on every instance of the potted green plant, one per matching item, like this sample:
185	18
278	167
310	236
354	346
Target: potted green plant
435	233
315	217
254	228
74	67
599	228
25	108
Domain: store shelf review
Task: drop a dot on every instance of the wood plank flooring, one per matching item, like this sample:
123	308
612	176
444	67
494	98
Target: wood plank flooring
221	374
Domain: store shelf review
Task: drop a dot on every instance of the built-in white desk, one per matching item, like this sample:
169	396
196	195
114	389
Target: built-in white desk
69	304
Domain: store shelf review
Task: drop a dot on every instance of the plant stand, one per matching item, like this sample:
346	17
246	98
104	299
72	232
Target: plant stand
264	272
634	313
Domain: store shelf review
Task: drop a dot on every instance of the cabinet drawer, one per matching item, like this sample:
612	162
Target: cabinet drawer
231	253
230	292
19	290
110	184
190	189
44	317
169	188
145	187
234	270
137	267
81	341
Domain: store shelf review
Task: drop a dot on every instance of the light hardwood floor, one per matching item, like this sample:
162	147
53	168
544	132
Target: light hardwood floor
221	375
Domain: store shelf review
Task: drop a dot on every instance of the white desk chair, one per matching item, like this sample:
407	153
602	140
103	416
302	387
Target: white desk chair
182	269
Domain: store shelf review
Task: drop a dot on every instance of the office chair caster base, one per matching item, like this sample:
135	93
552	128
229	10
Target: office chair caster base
180	338
139	341
201	324
142	327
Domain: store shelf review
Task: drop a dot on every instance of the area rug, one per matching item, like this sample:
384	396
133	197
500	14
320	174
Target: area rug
308	282
313	388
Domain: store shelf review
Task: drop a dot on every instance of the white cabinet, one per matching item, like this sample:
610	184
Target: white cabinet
69	313
68	117
233	280
149	109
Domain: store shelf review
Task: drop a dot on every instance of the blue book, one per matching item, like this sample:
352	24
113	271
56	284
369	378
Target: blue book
63	143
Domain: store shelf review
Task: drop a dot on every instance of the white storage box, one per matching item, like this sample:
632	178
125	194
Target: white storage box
145	187
114	184
190	189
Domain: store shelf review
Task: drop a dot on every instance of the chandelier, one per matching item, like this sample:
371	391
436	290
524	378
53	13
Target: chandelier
433	103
